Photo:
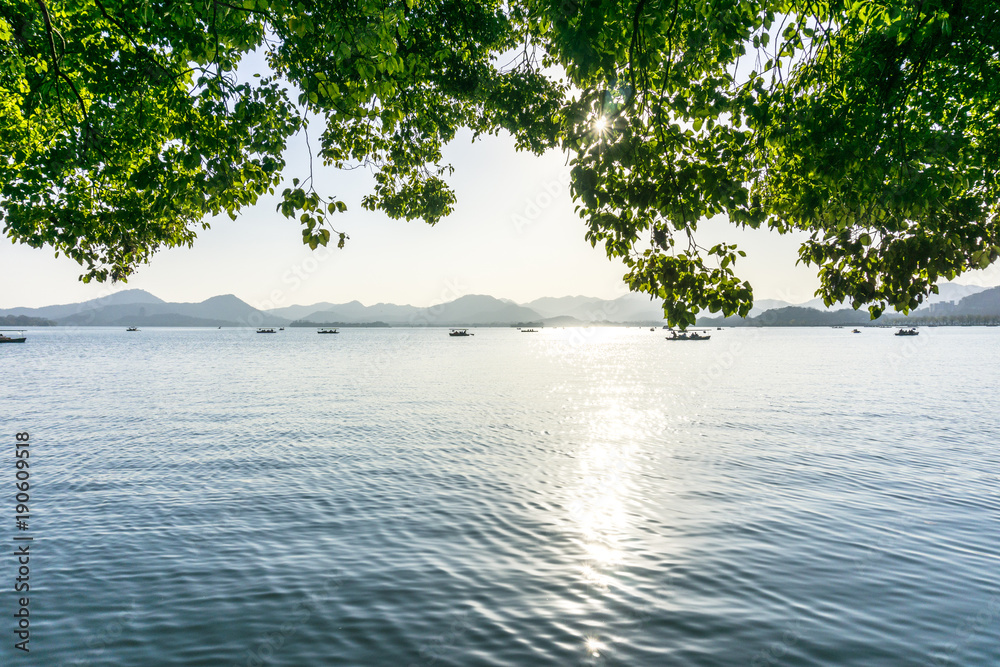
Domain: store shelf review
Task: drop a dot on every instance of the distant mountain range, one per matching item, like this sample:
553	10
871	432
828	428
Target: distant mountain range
981	307
978	305
946	292
24	321
139	308
480	310
793	316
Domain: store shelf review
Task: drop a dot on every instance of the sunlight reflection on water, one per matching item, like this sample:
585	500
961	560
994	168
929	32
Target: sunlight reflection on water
513	499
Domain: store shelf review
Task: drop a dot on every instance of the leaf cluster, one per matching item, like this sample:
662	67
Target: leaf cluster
870	125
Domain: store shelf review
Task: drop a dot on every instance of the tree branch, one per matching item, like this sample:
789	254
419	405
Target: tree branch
55	58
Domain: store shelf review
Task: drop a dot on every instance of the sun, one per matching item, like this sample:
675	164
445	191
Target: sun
600	125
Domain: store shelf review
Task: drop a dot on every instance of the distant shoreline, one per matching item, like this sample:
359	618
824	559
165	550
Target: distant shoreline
136	308
583	325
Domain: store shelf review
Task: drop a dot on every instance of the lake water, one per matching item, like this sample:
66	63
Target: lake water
569	497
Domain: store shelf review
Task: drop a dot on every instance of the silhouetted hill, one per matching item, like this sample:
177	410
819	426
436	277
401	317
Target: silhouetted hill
473	309
140	308
169	320
24	321
297	312
982	307
339	325
225	310
355	311
977	302
986	302
764	305
946	292
562	306
478	309
562	321
128	296
793	316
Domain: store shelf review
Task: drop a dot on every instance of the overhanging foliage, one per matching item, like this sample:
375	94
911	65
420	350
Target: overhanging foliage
872	126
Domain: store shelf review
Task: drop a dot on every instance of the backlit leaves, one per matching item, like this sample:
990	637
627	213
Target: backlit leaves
871	126
135	112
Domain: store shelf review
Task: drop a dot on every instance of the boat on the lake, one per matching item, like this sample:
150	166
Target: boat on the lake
461	332
687	335
263	330
132	329
529	330
856	331
907	332
17	337
327	331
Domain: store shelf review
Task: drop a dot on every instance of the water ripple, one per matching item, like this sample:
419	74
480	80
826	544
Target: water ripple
584	497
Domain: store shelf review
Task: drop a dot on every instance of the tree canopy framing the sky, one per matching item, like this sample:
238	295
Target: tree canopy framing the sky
870	125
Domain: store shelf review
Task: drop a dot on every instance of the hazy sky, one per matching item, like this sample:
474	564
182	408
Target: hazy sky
513	235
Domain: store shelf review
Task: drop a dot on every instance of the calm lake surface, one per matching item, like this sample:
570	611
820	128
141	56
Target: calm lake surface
569	497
